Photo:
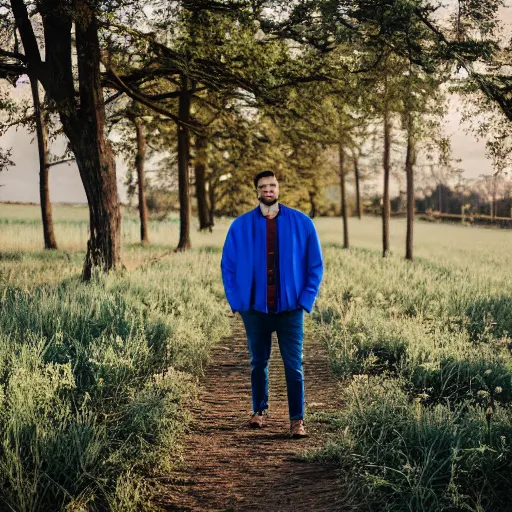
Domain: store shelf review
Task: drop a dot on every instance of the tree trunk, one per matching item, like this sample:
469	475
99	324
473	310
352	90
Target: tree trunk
44	167
387	171
183	171
200	175
211	200
409	170
139	163
93	152
358	190
312	202
494	198
343	196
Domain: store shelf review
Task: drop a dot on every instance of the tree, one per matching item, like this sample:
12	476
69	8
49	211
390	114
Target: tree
386	111
183	163
11	68
82	112
470	41
200	164
423	107
44	167
139	164
410	161
328	114
214	50
396	40
344	214
356	157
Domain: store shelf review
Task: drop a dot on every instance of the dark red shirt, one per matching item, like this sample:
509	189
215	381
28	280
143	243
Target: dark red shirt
271	265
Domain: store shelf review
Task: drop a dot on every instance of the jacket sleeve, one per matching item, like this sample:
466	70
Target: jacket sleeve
228	268
315	271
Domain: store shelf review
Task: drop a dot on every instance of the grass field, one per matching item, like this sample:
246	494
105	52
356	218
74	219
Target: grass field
93	376
454	244
424	350
96	379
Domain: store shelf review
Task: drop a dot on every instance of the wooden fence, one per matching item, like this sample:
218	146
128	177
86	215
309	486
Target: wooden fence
468	218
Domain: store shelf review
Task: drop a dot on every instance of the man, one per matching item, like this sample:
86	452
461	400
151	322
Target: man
272	268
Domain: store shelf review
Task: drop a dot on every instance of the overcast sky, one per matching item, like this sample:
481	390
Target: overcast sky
21	183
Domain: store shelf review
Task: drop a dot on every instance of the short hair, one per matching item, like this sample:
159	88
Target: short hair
263	174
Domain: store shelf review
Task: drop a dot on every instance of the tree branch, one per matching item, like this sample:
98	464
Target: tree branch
114	97
13	71
14	55
164	96
137	96
482	81
143	75
28	38
58	162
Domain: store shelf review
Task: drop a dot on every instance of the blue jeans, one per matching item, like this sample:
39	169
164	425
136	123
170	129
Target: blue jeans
289	327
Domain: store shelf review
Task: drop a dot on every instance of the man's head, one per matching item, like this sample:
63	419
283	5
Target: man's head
267	187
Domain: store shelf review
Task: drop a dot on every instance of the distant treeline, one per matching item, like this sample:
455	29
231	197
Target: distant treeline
443	199
447	200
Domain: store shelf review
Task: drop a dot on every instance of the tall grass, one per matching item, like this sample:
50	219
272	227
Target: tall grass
95	378
424	349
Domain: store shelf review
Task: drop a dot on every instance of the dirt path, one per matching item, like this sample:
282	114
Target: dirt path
230	467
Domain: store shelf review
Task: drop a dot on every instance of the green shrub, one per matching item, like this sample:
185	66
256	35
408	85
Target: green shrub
490	317
403	456
364	344
455	381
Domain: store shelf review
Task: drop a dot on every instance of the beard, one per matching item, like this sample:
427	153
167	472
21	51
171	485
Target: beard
267	202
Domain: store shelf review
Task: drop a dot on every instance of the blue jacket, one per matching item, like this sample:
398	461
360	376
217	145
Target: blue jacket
244	257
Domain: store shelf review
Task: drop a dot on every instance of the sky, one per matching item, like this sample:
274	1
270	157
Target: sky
21	182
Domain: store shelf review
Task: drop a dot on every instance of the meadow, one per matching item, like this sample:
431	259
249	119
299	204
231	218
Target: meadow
96	379
424	351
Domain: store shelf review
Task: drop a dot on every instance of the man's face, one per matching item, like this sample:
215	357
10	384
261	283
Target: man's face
268	190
